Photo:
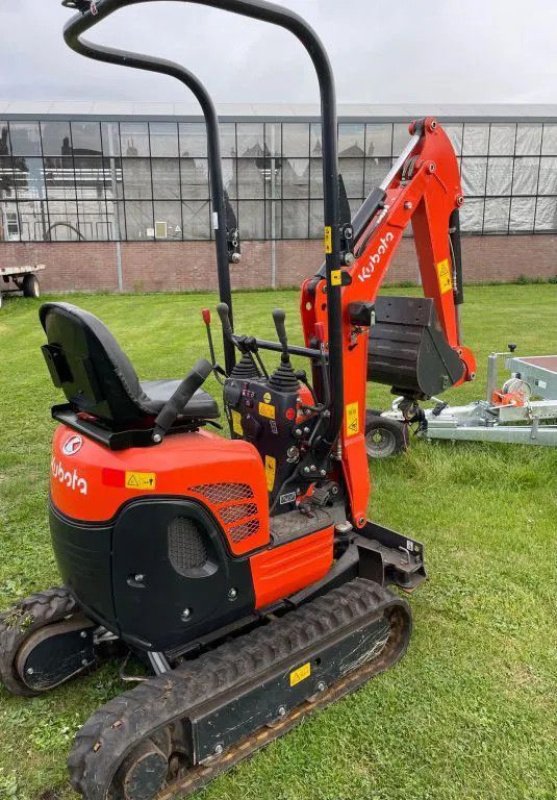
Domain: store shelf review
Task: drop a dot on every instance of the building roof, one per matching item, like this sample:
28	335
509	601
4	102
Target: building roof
15	109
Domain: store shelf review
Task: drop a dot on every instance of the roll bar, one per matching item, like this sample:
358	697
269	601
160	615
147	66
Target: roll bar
284	18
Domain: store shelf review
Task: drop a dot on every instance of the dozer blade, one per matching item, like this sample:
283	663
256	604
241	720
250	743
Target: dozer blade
176	732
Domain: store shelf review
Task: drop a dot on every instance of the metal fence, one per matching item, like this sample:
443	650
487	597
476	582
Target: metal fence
144	180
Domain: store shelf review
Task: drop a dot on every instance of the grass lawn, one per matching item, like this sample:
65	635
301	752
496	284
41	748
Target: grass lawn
470	712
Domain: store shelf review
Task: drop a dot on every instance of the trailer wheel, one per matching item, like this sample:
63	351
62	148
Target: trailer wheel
384	437
31	287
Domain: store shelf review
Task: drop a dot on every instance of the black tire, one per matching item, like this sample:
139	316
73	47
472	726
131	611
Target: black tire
384	437
31	286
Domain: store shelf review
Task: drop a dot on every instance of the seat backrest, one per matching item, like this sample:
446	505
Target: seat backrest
87	363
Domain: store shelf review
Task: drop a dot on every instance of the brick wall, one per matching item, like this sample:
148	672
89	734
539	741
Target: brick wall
157	266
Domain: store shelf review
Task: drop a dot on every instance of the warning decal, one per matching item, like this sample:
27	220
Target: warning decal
270	471
444	276
237	423
336	277
267	410
141	480
352	419
300	674
328	239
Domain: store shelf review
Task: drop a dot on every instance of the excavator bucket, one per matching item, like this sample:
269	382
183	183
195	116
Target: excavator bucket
408	350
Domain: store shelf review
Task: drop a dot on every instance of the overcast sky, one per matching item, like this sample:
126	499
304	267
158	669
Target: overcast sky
382	51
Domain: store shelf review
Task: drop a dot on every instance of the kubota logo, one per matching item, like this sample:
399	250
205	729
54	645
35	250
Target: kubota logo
72	445
375	258
72	479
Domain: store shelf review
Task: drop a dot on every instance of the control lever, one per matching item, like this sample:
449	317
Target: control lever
278	318
206	315
224	313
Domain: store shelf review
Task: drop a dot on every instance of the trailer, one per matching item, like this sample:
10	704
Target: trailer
23	279
522	411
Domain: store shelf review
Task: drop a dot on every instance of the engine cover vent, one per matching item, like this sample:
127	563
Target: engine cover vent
186	548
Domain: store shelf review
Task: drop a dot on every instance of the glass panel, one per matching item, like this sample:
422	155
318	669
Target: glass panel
134	137
549	141
400	137
30	179
139	221
295	177
229	176
7	178
5	146
251	177
315	144
471	216
90	177
25	138
116	220
9	222
196	216
528	139
166	179
352	171
351	139
475	139
499	175
137	178
64	222
93	223
86	138
110	134
316	219
250	139
474	172
295	219
228	139
273	138
522	214
273	221
546	214
60	178
501	140
379	139
164	139
525	175
33	220
548	176
454	132
375	171
316	179
56	138
193	139
194	177
295	139
168	220
496	216
113	178
251	220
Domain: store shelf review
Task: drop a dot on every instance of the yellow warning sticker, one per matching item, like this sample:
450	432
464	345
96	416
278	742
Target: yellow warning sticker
141	480
267	397
352	419
237	423
300	674
267	410
444	276
328	239
270	472
336	277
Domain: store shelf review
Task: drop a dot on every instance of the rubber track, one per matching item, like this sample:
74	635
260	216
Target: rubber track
119	726
22	619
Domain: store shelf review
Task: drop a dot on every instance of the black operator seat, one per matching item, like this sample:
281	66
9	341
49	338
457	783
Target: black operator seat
97	377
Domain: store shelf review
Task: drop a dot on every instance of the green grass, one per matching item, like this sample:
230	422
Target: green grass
470	711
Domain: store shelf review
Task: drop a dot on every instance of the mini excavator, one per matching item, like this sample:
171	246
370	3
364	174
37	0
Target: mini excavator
243	571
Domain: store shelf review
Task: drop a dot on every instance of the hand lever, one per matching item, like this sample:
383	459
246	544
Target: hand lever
223	312
278	318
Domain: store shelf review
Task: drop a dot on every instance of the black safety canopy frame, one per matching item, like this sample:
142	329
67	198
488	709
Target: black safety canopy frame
91	12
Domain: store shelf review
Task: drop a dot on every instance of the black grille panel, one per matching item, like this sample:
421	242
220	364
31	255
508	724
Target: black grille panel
186	548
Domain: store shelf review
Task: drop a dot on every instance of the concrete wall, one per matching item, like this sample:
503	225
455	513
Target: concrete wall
158	266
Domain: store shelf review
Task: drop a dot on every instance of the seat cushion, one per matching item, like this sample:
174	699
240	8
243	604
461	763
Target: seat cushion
201	405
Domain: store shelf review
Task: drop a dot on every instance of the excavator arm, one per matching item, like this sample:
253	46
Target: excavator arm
415	344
